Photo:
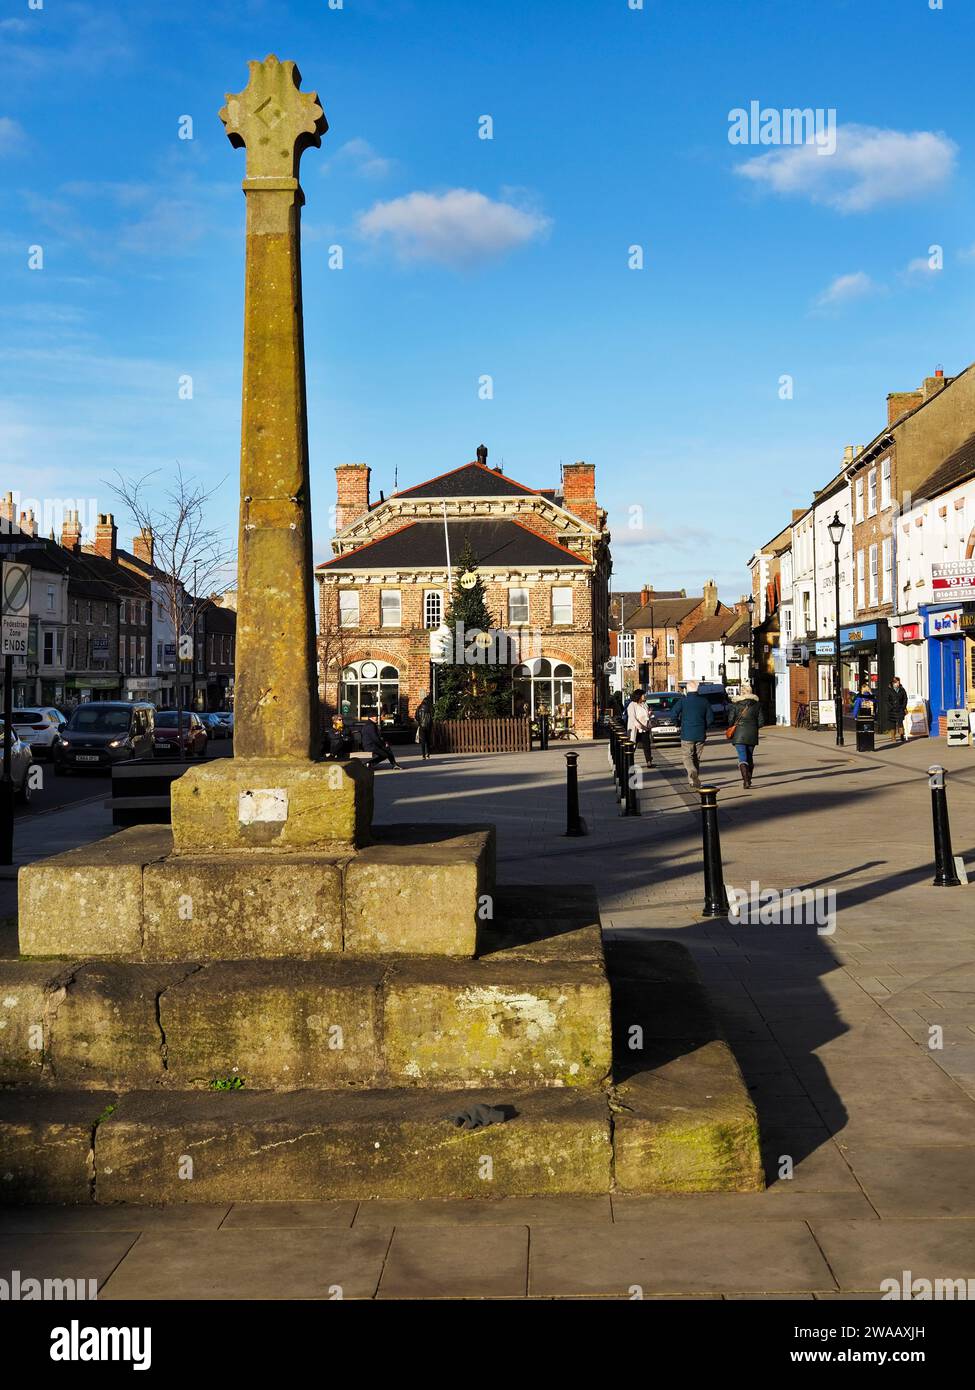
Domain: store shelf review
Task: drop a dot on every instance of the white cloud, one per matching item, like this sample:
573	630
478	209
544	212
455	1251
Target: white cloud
359	155
458	228
869	167
921	269
844	289
12	137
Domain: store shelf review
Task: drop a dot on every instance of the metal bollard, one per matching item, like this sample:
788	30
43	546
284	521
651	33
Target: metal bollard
621	782
715	896
629	799
945	875
543	732
614	739
574	824
618	762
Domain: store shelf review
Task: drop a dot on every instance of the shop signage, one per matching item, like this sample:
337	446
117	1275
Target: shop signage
826	648
100	646
954	582
910	632
866	632
947	623
797	654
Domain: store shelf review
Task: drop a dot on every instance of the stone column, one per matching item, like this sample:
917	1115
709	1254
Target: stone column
276	701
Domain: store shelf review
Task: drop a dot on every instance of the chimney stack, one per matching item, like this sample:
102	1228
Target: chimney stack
7	512
106	536
352	493
579	491
143	545
481	455
710	599
28	522
646	594
71	532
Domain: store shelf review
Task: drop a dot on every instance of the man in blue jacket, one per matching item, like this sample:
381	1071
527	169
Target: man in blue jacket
695	715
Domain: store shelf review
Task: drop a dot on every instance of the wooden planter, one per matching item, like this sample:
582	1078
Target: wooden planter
482	736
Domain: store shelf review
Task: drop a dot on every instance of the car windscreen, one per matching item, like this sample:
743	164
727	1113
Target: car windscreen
166	719
31	718
100	721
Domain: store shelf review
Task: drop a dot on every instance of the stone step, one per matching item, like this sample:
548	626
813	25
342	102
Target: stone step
502	1020
161	1147
417	890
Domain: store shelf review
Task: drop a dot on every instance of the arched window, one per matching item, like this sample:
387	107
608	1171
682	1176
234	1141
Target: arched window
370	689
543	687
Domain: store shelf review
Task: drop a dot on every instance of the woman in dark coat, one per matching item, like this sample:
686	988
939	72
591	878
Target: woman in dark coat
747	719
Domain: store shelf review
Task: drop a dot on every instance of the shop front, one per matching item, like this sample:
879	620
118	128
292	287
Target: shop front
80	688
949	633
866	661
822	672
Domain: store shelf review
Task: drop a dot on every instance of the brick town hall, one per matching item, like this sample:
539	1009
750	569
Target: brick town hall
543	554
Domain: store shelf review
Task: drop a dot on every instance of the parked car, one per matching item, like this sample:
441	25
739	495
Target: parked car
21	762
40	728
102	732
167	732
217	725
661	704
717	697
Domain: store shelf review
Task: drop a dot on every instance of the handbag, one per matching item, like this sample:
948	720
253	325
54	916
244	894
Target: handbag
730	731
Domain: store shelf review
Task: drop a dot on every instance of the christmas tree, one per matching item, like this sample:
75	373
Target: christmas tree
472	684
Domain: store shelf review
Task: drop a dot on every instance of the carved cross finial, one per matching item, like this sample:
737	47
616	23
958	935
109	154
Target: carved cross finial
273	120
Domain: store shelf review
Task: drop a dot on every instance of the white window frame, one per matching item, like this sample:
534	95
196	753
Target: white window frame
858	499
861	581
872	492
885	472
886	570
648	644
671	646
345	596
522	605
431	596
874	575
626	644
390	603
563	604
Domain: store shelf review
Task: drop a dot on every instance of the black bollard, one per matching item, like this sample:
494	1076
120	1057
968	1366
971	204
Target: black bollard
630	800
574	824
624	763
543	732
618	762
715	897
944	862
614	749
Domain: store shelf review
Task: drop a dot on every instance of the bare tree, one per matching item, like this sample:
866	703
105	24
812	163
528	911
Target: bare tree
333	645
189	557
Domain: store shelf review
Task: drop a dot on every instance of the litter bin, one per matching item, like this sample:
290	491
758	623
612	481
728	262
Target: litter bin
866	728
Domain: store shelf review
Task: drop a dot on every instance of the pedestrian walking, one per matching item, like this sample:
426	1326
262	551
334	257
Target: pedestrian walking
896	710
694	715
638	725
374	743
863	704
743	725
424	725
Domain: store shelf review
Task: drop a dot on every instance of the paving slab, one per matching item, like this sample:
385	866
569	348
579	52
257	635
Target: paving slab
505	1211
669	1254
291	1215
79	1256
863	1253
780	1202
916	1182
434	1263
91	1217
243	1264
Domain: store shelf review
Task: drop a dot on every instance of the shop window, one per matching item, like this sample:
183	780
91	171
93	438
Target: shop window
370	689
543	687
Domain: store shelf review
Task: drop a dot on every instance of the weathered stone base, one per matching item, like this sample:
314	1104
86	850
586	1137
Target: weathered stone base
286	1025
677	1119
259	803
414	892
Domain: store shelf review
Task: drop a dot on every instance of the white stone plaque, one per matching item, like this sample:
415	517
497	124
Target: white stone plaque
262	804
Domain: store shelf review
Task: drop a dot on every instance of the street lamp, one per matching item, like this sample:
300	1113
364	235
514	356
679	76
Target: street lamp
750	605
836	529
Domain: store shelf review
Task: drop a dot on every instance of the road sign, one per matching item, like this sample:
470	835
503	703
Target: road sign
15	596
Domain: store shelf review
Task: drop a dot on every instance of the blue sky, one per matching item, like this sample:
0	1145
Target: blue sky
507	257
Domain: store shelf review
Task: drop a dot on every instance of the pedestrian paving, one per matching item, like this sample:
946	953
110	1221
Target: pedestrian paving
868	1124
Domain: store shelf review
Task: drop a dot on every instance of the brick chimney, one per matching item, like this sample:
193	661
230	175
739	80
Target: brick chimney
71	532
646	594
933	384
7	512
143	545
351	493
28	523
106	536
710	599
579	491
900	402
